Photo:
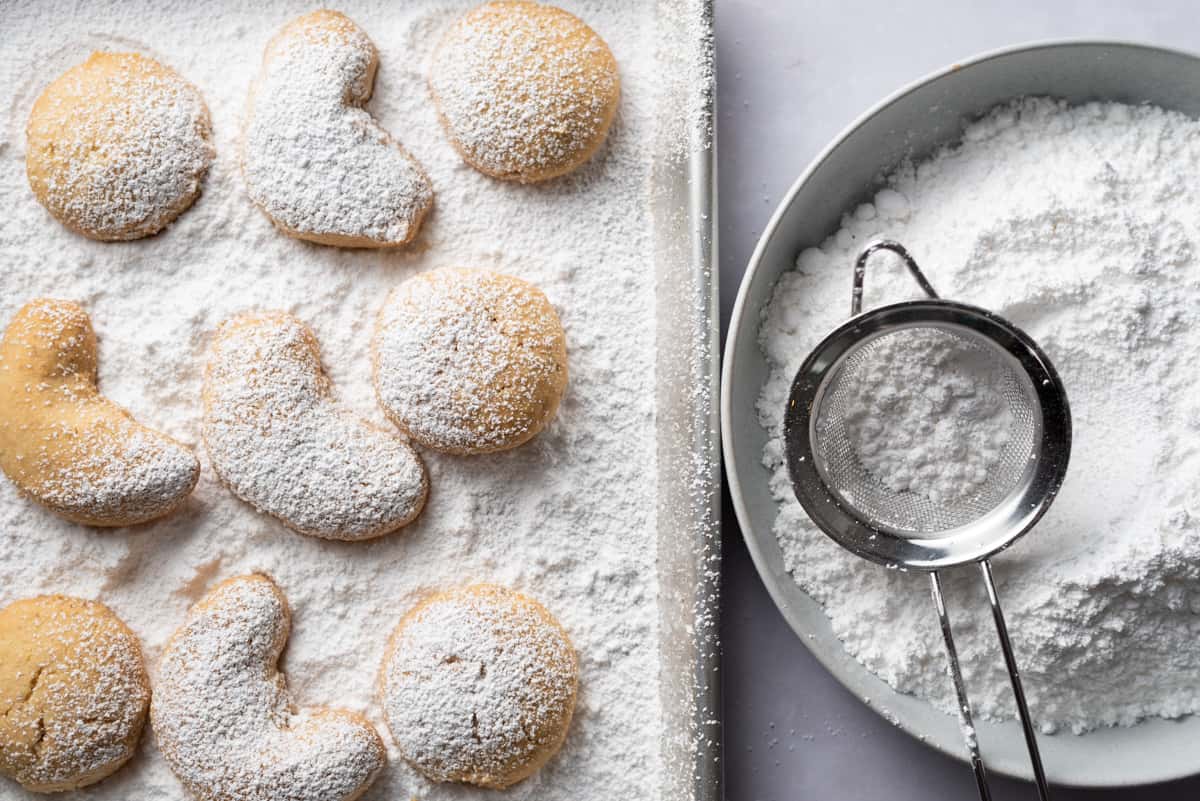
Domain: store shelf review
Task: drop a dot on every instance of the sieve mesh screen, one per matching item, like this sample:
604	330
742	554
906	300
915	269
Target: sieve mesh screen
905	512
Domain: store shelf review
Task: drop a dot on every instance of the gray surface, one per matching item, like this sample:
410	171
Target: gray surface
790	78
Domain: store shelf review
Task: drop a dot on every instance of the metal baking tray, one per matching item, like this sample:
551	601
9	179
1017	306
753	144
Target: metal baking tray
688	422
687	436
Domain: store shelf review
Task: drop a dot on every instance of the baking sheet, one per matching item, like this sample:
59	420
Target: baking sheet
687	433
689	478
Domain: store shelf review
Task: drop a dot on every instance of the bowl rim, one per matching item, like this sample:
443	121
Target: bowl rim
735	332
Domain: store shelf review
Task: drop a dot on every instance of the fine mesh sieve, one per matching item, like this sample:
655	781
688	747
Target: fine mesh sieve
895	523
903	512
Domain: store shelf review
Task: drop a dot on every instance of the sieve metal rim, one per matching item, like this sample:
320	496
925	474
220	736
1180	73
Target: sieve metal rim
973	542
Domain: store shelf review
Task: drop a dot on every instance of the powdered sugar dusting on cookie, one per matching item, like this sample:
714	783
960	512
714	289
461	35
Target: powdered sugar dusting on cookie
125	470
64	444
118	146
73	692
314	160
226	722
278	439
469	361
478	682
525	91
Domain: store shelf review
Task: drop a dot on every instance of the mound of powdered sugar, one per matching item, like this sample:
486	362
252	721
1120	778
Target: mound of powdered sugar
1080	225
569	518
925	413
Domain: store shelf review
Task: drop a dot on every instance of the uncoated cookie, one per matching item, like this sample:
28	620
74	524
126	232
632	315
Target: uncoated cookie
73	692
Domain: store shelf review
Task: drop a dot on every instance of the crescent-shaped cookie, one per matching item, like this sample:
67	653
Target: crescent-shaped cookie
315	161
280	441
225	721
64	444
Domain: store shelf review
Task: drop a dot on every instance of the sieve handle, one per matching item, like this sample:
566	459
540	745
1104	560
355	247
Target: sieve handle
860	271
1014	676
960	689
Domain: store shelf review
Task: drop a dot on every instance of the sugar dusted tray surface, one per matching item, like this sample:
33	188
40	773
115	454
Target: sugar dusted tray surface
568	518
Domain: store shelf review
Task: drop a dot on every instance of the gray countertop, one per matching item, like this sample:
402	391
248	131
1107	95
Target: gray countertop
792	74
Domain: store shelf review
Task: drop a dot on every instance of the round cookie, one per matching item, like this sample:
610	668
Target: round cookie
526	92
64	444
228	726
73	692
280	441
469	361
478	685
315	161
118	146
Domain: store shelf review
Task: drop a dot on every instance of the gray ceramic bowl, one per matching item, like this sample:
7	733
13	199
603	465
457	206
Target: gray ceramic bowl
913	122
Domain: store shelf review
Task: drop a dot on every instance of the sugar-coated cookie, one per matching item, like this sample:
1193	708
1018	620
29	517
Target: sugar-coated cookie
64	444
478	685
225	721
280	441
469	361
315	161
73	692
118	146
525	91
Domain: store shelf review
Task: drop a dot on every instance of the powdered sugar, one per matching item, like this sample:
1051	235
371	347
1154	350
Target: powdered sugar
925	414
1080	226
314	160
478	683
277	438
568	518
226	722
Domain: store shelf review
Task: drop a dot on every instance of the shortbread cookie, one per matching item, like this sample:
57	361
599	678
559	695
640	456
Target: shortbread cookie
225	721
478	685
526	92
279	440
314	160
469	361
73	692
118	146
64	444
